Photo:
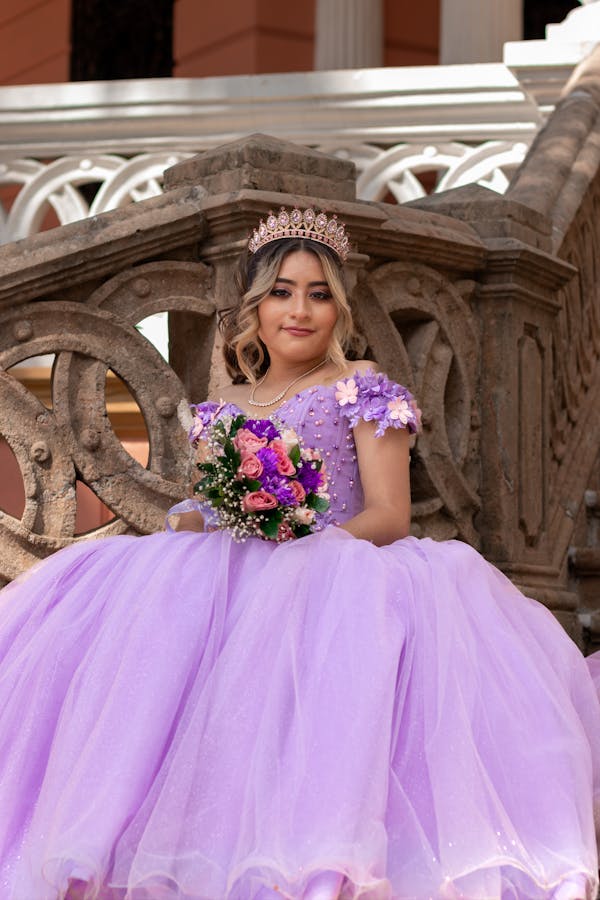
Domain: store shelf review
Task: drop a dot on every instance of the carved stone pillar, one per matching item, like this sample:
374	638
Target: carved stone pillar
516	306
475	32
349	34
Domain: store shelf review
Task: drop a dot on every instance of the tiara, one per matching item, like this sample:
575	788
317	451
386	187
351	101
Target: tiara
301	224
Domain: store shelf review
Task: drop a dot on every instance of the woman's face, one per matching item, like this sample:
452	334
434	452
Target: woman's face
296	320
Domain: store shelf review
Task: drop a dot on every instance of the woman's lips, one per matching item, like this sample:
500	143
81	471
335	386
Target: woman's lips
299	332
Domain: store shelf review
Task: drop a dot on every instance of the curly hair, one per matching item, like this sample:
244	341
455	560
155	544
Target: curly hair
246	357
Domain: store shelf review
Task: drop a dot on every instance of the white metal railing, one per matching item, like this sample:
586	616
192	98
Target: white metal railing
459	124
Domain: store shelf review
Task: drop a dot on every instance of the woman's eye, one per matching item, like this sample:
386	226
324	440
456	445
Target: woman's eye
279	292
321	295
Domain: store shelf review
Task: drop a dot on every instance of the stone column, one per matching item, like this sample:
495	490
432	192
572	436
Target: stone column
475	31
348	34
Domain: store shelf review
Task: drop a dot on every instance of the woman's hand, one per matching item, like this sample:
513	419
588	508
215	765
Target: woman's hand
187	521
383	464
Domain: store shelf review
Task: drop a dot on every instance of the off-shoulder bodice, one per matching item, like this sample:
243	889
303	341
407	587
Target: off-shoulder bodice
324	417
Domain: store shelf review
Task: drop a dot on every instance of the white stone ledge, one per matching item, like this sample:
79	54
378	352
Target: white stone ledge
383	106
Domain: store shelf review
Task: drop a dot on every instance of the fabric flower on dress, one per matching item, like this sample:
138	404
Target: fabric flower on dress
346	392
372	397
400	409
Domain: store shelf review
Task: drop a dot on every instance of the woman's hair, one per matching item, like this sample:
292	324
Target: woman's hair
246	357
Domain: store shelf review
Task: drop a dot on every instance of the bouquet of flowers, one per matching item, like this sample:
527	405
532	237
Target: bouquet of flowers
257	479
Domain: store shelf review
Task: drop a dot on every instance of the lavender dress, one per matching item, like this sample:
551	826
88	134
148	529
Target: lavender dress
183	716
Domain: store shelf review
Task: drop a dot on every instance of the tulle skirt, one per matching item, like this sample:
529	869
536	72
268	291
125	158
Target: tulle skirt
183	716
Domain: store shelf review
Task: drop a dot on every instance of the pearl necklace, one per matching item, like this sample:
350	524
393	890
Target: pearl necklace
282	394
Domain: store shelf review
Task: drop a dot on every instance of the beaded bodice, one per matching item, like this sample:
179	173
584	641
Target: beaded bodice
316	417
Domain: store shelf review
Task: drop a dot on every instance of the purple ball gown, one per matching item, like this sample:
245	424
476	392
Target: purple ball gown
183	716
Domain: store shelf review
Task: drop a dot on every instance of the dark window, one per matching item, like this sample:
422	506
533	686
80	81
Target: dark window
539	13
130	39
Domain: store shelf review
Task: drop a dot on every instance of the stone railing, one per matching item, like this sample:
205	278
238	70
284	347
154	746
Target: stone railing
484	305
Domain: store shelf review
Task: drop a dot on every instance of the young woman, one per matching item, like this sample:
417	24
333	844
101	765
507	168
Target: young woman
355	713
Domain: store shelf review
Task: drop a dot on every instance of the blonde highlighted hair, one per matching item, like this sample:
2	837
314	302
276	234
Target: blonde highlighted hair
246	357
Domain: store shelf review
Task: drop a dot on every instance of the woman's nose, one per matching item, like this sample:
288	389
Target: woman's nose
300	307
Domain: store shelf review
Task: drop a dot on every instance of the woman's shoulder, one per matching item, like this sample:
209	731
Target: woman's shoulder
359	367
235	393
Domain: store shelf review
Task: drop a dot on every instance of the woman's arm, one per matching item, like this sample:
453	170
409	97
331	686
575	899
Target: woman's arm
383	464
189	519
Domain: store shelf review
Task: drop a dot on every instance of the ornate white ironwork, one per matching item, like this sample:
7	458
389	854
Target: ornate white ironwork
56	186
396	170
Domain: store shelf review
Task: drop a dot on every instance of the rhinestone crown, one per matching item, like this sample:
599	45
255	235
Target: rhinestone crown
303	224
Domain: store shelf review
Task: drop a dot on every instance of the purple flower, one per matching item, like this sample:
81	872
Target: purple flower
284	493
229	409
373	410
203	414
268	459
278	486
262	428
374	382
204	411
309	478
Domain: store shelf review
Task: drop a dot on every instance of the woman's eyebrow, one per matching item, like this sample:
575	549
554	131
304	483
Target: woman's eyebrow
310	283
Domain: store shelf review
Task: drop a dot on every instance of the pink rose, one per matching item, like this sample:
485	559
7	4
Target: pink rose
250	467
285	533
298	491
247	442
278	446
257	500
284	464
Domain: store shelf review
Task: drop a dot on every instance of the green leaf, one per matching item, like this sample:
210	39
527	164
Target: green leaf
270	526
219	430
319	504
294	454
252	484
232	454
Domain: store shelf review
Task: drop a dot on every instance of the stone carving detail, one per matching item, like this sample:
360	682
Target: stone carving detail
532	440
75	438
422	329
576	369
